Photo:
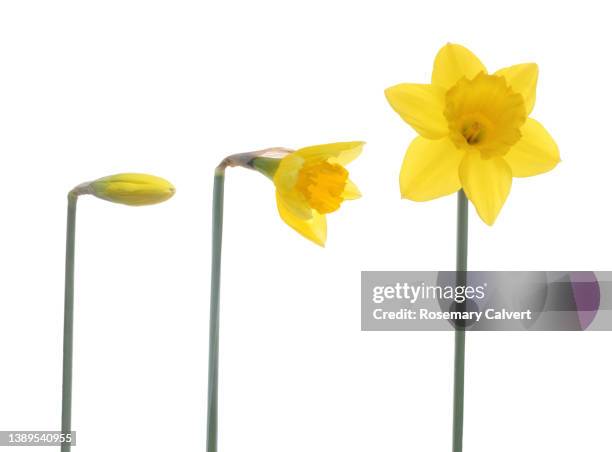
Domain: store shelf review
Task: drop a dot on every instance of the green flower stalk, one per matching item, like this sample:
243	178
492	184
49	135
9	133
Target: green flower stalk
131	189
246	160
459	367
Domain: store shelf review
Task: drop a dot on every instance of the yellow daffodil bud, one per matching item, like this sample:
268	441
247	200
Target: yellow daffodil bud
131	189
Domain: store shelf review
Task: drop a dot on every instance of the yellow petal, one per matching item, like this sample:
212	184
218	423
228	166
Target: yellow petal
285	180
523	79
453	62
421	106
314	228
296	204
342	153
286	175
486	183
351	191
535	153
430	169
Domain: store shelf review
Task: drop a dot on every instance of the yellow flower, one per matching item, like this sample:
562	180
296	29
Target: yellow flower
131	189
310	183
474	131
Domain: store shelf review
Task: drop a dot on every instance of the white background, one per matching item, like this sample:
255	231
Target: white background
89	89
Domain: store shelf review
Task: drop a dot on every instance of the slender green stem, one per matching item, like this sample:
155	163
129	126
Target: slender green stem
458	395
68	320
213	342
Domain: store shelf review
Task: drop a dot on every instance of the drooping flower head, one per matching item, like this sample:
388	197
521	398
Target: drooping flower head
310	182
313	182
475	133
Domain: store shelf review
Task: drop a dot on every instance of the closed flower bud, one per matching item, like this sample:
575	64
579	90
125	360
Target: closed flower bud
131	189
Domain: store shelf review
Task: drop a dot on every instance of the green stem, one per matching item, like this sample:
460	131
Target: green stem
68	320
213	342
458	393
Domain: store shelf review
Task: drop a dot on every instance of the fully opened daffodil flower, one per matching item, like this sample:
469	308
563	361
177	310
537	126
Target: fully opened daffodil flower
475	133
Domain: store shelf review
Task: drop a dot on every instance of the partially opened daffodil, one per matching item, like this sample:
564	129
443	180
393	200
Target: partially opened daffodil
475	133
312	182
